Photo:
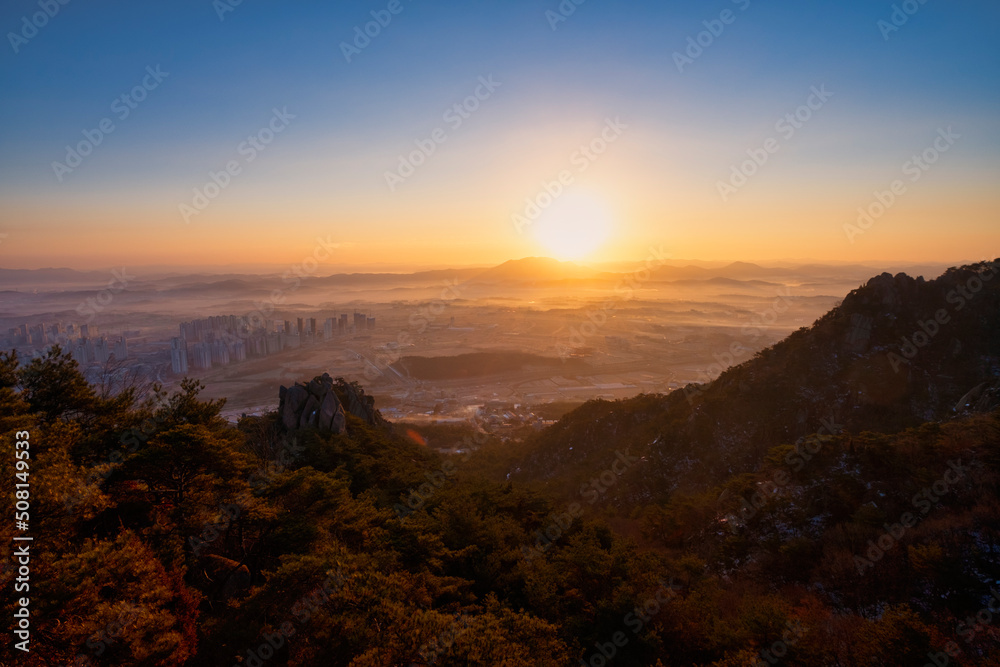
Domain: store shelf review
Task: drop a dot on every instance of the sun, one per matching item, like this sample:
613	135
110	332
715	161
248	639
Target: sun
574	226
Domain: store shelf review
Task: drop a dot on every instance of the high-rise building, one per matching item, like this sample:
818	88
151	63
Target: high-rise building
328	325
220	353
276	342
259	345
101	350
80	352
37	335
311	326
301	329
121	349
360	322
371	324
178	355
344	326
202	353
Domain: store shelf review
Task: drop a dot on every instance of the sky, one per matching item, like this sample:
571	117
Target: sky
201	133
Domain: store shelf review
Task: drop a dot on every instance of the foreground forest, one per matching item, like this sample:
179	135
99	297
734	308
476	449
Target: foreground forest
832	501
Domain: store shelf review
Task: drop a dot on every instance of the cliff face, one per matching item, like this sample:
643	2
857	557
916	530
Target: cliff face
320	404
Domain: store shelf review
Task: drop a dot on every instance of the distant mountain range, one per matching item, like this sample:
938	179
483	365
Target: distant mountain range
527	271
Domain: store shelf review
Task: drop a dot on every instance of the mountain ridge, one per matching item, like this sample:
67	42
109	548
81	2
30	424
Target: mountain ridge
852	368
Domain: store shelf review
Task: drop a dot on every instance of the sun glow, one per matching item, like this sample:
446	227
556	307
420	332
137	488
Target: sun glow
576	225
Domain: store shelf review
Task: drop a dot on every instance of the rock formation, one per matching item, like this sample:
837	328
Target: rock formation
358	403
887	292
321	402
985	397
312	405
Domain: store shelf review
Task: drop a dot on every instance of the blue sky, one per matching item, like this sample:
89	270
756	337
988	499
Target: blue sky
353	120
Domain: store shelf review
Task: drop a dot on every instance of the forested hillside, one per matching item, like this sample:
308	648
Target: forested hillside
833	501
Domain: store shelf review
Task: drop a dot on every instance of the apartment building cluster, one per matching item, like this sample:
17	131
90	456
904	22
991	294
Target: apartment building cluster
225	339
83	342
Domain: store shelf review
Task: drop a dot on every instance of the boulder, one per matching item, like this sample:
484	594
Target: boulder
331	413
358	403
315	387
310	412
323	403
291	406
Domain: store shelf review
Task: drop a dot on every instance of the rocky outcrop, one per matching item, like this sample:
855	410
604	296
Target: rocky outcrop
887	292
322	403
358	403
313	405
983	398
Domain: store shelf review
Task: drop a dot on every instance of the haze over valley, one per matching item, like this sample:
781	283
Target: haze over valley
527	332
533	333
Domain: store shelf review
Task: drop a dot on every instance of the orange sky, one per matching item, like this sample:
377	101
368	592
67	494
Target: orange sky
432	147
